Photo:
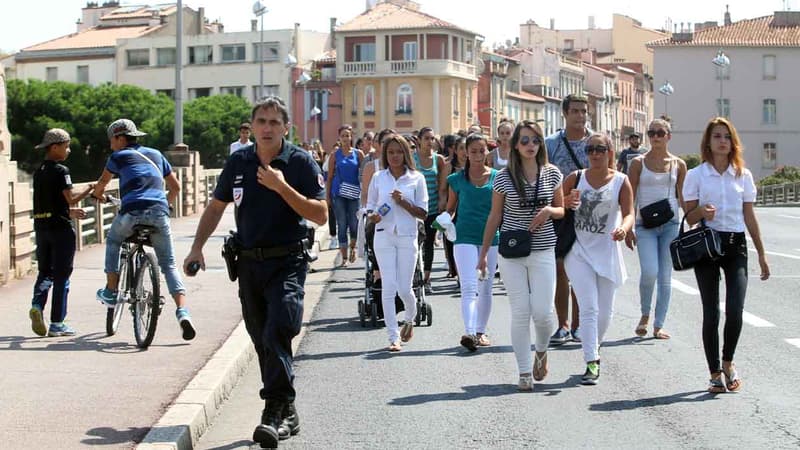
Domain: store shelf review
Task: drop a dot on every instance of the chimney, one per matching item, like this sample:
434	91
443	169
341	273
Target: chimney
155	19
727	16
79	24
333	32
253	24
552	23
591	23
201	13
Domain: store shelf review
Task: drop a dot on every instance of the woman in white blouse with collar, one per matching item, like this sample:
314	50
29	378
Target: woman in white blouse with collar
721	192
399	198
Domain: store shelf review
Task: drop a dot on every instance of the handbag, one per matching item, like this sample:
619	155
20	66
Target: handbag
660	212
565	235
694	246
349	191
517	243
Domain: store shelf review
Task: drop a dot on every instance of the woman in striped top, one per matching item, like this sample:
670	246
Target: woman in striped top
527	196
432	167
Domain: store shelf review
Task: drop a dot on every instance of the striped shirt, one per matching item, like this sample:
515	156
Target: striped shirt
431	175
519	211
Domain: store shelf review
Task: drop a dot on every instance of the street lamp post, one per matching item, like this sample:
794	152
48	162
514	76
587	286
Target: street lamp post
722	62
666	89
259	10
303	81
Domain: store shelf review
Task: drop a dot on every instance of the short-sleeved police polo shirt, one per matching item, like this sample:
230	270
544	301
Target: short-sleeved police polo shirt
50	208
263	218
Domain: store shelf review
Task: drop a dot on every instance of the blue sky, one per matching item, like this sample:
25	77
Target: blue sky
28	22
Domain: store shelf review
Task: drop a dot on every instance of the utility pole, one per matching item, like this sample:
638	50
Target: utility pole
178	137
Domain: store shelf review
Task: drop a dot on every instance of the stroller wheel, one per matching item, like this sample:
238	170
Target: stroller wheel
420	312
428	314
374	315
362	314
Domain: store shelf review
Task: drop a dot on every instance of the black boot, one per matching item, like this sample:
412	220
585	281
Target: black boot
291	422
266	433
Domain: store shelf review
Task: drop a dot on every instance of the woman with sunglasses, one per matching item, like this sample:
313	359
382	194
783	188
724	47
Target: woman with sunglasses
432	167
344	189
655	176
527	196
603	204
721	192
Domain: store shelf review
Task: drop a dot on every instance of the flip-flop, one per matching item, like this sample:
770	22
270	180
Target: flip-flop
732	381
540	368
641	330
661	334
716	386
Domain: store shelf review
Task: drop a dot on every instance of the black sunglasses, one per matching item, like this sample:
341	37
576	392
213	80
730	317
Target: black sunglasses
654	133
525	140
596	148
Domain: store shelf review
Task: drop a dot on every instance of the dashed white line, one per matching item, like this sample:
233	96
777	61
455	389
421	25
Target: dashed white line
750	319
784	255
685	288
795	342
786	216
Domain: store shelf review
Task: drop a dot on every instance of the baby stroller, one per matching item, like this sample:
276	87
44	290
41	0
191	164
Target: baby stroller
370	307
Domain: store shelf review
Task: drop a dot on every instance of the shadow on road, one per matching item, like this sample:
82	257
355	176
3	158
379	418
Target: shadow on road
485	390
112	436
238	444
88	342
627	405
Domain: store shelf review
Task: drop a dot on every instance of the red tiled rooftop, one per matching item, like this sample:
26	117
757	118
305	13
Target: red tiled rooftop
758	32
389	16
93	37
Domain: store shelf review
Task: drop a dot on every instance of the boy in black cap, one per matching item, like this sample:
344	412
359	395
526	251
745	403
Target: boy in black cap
55	237
633	150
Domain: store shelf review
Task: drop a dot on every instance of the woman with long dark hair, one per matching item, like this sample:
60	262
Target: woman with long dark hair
344	189
432	167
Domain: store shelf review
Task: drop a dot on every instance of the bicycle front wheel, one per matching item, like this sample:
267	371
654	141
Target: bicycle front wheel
146	300
114	315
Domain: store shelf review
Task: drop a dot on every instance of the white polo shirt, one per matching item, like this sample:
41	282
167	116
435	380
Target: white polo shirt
237	145
725	191
397	220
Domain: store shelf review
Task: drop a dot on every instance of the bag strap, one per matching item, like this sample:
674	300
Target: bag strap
571	152
150	161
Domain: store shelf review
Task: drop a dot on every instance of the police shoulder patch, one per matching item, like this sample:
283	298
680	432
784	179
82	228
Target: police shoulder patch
320	180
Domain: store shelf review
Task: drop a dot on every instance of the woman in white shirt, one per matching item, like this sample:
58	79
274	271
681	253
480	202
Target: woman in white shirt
721	192
399	197
603	217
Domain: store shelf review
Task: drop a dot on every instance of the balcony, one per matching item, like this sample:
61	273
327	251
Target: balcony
422	67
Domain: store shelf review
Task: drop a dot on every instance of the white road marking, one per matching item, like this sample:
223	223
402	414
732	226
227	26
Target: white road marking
685	288
788	216
784	255
750	318
795	342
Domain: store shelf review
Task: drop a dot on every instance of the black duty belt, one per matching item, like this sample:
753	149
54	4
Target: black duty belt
263	253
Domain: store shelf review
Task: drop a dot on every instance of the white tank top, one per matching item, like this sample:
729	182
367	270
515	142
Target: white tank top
655	186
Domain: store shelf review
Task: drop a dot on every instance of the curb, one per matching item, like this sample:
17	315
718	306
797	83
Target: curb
194	410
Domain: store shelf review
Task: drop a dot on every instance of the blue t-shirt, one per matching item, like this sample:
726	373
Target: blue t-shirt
474	205
141	172
559	156
346	170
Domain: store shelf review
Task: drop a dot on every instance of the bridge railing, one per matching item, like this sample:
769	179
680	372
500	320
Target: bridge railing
778	194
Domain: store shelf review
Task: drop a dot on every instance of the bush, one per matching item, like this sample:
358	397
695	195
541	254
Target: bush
691	160
784	174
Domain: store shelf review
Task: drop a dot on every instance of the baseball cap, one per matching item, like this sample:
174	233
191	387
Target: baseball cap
53	136
635	134
123	127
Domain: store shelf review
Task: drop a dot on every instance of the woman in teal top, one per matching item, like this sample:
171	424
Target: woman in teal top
433	168
470	201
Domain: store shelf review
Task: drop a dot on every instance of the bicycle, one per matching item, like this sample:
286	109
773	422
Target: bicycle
139	288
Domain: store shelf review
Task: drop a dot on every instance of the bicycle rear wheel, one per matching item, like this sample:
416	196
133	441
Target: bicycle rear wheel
146	299
114	315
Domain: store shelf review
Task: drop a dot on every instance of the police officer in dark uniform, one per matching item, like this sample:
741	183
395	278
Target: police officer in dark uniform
276	187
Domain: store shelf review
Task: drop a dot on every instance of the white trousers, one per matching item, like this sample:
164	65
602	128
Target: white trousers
397	258
595	303
531	286
476	295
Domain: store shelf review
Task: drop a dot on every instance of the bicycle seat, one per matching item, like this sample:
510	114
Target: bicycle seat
141	234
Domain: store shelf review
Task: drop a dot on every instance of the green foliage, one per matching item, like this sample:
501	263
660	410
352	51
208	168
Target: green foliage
784	174
691	160
34	106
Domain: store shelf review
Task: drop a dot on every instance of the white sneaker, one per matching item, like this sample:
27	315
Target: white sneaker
525	383
334	244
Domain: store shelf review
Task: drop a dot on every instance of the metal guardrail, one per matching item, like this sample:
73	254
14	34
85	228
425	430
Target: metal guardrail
778	194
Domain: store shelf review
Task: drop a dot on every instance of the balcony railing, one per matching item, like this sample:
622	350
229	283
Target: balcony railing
406	67
360	68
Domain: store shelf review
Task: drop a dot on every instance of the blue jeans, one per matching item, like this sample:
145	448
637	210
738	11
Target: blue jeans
656	266
122	228
346	210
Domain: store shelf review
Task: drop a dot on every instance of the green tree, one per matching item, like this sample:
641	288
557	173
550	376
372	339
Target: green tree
784	174
691	160
211	124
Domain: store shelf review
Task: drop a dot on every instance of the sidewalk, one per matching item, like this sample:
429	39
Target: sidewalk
90	389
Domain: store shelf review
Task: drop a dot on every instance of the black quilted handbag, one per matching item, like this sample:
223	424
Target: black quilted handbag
694	246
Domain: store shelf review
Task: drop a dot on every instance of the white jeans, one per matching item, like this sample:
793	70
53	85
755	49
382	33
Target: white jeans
397	257
595	303
531	286
476	296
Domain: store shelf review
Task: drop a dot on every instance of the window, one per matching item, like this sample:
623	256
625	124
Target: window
52	74
364	52
199	92
369	99
82	75
138	57
165	56
769	156
232	90
770	113
469	103
269	90
271	51
454	95
354	111
200	55
769	67
168	92
404	99
410	51
724	107
233	53
569	44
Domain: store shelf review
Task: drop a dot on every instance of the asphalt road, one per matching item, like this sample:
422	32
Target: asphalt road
433	394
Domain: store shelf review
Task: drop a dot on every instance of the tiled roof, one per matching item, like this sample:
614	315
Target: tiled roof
758	32
93	37
142	12
389	16
525	96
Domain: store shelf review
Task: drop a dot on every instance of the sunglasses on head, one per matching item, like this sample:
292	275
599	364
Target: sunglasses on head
659	133
525	140
596	148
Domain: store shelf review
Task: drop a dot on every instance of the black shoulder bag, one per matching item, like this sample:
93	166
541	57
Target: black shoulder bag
517	243
694	246
571	152
566	229
660	212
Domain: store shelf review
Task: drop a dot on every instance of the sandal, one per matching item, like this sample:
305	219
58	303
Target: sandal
715	384
659	333
540	366
395	346
732	380
641	330
352	255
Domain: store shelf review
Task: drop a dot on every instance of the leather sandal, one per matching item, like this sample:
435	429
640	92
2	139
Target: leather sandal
715	384
732	381
641	330
540	366
659	333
